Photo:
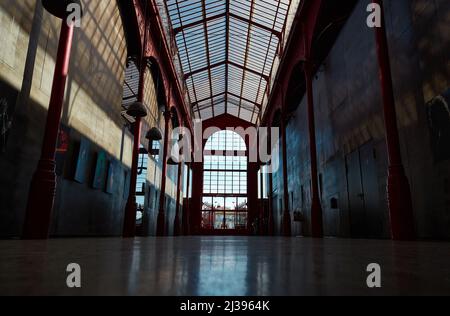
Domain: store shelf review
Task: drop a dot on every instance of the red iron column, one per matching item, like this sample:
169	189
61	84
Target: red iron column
287	222
398	190
43	186
129	226
316	207
161	222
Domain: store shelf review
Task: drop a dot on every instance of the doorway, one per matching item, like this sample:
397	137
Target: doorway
367	218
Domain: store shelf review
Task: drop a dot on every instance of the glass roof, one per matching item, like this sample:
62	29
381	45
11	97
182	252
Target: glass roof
229	51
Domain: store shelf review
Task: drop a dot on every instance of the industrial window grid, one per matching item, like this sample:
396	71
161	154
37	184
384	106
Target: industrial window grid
225	183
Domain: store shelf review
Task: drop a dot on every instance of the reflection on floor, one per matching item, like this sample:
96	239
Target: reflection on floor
228	266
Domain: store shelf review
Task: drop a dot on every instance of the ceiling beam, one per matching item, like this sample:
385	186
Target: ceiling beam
226	94
227	55
228	15
247	45
205	29
244	99
222	63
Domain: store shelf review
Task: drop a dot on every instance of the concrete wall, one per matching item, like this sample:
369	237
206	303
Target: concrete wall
92	111
349	116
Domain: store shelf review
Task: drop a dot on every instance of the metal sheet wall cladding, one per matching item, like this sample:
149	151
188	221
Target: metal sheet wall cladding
439	121
8	98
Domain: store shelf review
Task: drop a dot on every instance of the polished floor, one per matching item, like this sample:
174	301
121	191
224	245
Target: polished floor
223	266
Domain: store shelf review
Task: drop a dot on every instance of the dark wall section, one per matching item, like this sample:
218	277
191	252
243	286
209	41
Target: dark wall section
350	126
95	206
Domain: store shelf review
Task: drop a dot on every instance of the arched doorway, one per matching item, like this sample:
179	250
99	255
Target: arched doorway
225	185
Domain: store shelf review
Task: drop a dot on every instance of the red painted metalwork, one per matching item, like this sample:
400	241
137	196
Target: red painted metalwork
295	51
316	206
158	49
43	186
161	222
129	224
398	190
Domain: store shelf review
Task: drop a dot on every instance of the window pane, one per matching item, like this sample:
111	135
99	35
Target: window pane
224	176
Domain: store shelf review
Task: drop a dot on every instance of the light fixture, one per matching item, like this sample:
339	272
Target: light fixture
59	8
154	134
137	109
162	107
172	162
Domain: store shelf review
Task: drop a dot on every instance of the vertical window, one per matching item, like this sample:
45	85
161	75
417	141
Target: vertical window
225	184
155	149
141	182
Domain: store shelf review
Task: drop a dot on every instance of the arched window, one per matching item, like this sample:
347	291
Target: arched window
225	182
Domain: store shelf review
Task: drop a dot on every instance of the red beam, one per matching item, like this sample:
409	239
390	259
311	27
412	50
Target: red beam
161	222
43	186
398	190
303	28
156	24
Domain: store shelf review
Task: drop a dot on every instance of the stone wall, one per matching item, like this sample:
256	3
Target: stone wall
349	122
92	111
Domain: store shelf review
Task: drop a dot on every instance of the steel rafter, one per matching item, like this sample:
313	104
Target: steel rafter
215	29
209	67
252	7
227	15
205	29
225	95
185	44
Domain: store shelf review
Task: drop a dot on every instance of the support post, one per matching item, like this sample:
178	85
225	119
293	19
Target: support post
316	206
161	222
43	185
398	190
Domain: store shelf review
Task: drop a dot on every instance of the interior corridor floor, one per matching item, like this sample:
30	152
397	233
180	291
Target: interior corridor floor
223	266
